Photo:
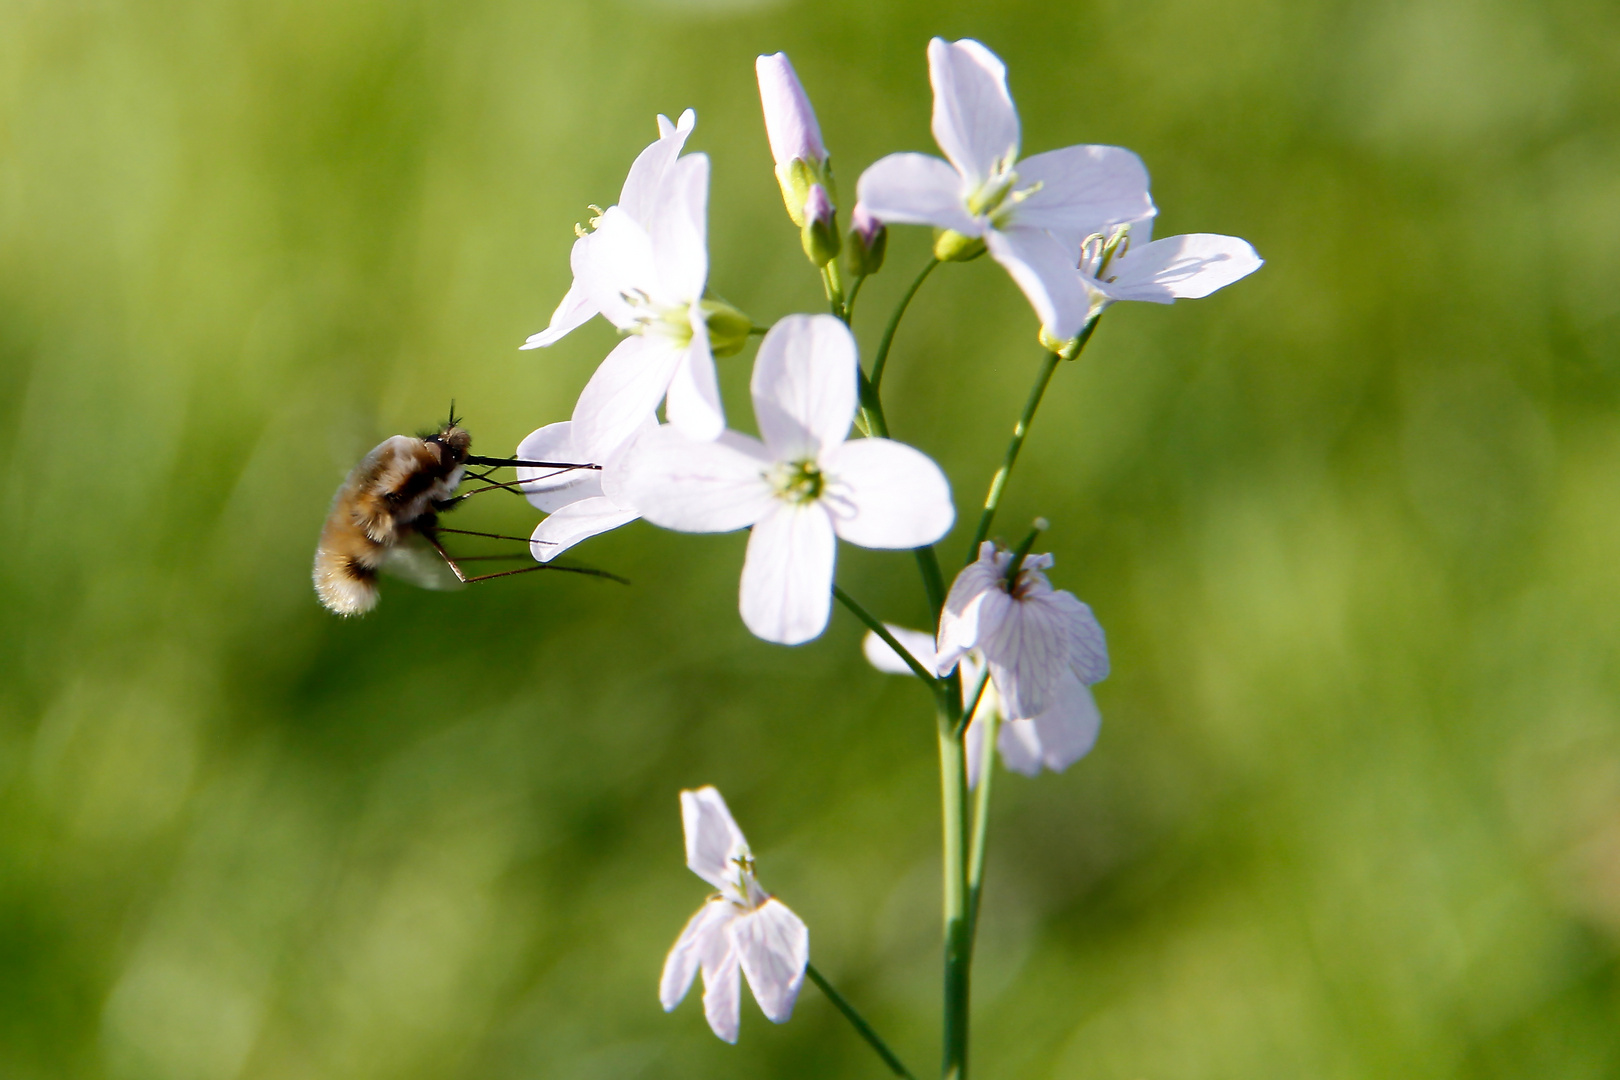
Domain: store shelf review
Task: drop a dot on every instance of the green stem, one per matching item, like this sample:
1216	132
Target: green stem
859	1023
958	929
998	483
972	706
882	357
981	823
882	631
854	291
833	283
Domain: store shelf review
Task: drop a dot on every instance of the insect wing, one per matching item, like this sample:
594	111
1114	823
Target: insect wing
415	561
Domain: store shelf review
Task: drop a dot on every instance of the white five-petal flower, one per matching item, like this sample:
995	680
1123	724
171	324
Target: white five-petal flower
1061	735
800	488
1032	214
741	928
1123	265
1033	637
644	269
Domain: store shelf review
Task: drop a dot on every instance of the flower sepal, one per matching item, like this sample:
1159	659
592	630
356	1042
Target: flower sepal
952	246
728	327
866	244
819	232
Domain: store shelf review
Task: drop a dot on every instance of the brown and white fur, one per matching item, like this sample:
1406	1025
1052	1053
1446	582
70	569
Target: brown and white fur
393	494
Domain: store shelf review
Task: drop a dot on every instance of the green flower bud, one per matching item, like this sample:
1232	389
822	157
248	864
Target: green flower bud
728	328
952	246
819	233
868	242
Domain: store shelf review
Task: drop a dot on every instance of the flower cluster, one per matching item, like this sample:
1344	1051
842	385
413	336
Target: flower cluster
1072	227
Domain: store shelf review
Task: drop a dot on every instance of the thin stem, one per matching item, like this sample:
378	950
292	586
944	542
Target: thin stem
833	284
972	707
859	1023
854	291
881	359
981	823
998	483
958	930
882	631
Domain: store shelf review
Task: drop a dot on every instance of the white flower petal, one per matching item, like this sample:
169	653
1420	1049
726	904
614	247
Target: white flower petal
1179	267
1045	270
703	931
962	621
1068	729
804	386
712	837
693	404
679	229
694	485
577	521
1087	644
722	996
1083	189
1019	744
974	120
547	489
885	494
773	945
626	387
787	577
790	122
648	171
886	660
616	262
1028	653
576	309
915	189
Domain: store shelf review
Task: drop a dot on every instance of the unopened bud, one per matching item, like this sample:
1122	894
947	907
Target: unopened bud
819	233
868	242
952	246
790	122
728	327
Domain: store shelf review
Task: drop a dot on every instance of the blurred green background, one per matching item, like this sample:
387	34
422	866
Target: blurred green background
1350	524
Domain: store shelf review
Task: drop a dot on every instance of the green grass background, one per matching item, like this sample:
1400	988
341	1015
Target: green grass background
1351	526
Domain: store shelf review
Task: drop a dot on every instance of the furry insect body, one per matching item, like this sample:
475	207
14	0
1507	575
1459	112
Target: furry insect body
394	494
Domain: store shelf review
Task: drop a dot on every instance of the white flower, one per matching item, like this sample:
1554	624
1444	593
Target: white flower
801	488
742	927
1123	265
637	199
1032	217
578	503
1055	739
644	269
1031	635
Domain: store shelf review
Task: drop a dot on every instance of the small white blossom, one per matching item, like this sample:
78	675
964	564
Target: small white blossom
1031	635
801	488
741	928
644	269
1031	214
1054	740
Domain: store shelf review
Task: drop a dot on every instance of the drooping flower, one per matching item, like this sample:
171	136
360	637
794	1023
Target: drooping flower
1123	265
1033	637
1030	214
578	503
741	928
801	488
1054	740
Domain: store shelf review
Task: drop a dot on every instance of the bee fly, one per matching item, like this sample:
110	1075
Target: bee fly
387	512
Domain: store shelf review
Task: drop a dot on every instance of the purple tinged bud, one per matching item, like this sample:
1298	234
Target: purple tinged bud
819	233
817	206
862	221
868	240
790	122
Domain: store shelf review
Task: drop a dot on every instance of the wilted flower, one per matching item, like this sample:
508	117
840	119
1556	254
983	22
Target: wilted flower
741	927
801	488
1032	217
1031	635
